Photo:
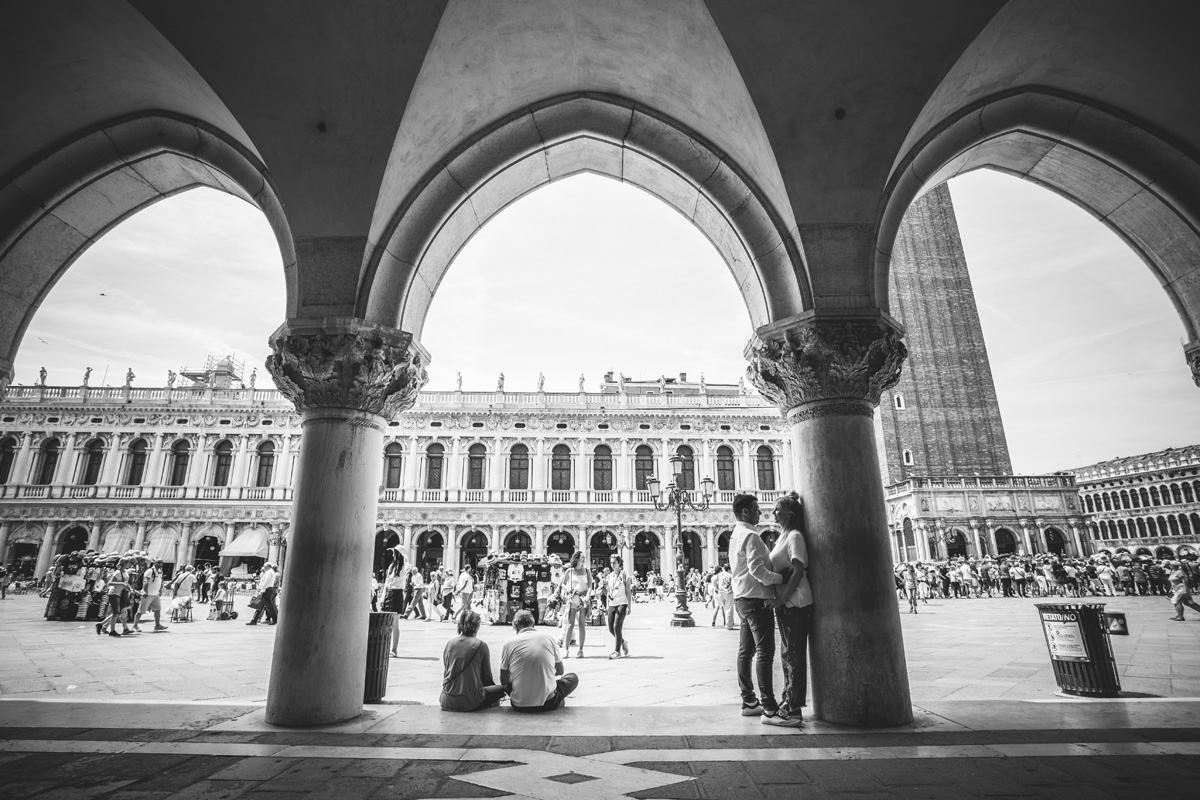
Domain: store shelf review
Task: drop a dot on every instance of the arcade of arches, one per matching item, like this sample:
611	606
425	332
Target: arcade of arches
795	138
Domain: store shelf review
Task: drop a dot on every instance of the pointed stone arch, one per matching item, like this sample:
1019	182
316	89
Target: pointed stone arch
564	136
1120	169
65	198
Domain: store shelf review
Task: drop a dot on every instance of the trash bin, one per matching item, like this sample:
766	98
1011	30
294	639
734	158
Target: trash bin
1115	624
1080	652
379	641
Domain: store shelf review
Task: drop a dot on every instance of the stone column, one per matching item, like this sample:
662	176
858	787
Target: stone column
412	475
283	470
43	559
139	538
710	549
199	464
5	526
274	540
240	465
749	482
94	538
450	550
1080	549
181	547
347	379
24	455
539	540
109	474
826	372
153	474
64	471
623	480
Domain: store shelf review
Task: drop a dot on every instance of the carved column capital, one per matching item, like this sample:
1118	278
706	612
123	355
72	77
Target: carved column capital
345	363
817	364
1191	351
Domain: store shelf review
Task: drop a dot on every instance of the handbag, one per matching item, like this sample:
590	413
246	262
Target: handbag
255	600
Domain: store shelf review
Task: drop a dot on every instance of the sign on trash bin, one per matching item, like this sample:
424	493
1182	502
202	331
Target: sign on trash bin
1064	637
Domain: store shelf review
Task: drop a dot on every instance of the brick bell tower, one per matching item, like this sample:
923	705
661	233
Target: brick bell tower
942	418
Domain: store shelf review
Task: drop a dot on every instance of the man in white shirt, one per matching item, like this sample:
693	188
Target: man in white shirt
267	579
465	589
753	595
151	588
528	664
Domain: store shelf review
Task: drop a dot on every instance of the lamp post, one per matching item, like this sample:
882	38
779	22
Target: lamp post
677	497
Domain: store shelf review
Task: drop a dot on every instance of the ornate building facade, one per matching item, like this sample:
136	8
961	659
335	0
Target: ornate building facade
205	472
1144	505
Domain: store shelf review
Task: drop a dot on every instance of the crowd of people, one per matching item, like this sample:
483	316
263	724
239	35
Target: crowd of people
117	590
1047	576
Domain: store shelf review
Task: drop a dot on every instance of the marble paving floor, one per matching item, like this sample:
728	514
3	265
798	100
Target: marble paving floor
980	649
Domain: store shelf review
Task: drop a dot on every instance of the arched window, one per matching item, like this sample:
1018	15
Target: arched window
1124	499
435	456
8	453
223	463
135	465
48	461
899	401
602	468
560	467
93	459
266	464
1154	499
476	455
1188	495
1135	501
518	467
1107	502
1090	505
725	476
766	469
687	468
908	458
393	463
643	466
1175	495
181	455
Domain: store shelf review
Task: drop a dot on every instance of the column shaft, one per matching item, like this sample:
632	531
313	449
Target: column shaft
317	674
859	675
43	559
4	529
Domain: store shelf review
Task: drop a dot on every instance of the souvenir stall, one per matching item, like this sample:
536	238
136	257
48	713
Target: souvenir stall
515	581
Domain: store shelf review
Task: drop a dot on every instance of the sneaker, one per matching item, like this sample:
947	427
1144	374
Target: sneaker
782	719
566	654
625	647
580	653
613	654
753	710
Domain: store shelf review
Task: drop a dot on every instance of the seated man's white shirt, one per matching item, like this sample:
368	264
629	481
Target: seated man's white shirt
529	658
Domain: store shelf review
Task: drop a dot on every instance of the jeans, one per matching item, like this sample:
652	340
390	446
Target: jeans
616	623
562	687
758	642
794	625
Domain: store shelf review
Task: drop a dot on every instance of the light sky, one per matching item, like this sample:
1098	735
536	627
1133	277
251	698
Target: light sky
589	275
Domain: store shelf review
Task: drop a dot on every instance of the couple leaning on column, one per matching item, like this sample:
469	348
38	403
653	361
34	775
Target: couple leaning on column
769	586
529	664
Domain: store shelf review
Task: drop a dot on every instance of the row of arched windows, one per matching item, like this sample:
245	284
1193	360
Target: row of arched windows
561	470
1145	527
91	462
1143	497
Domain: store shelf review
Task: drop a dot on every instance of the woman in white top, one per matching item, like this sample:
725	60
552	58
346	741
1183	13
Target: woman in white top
619	592
578	589
793	608
417	607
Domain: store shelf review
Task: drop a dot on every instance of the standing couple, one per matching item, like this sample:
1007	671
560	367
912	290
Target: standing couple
769	585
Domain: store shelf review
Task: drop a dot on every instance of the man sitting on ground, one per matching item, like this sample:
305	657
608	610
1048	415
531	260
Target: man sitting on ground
528	664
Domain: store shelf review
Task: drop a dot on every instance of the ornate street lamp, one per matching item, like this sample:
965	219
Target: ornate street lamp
676	498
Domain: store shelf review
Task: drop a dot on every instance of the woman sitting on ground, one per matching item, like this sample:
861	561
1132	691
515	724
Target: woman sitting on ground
468	684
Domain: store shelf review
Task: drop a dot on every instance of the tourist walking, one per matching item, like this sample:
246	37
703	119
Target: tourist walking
724	581
267	588
619	594
465	589
117	587
793	611
447	593
529	663
753	580
909	579
393	592
1180	595
578	584
467	683
151	601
